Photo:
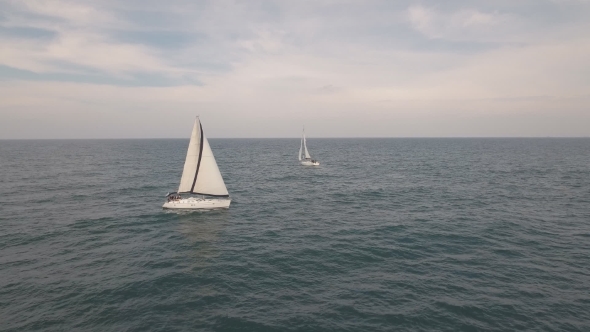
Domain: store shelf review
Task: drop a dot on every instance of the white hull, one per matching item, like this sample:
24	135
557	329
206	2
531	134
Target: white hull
192	203
310	163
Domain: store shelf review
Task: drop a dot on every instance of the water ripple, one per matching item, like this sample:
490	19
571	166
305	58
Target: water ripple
388	234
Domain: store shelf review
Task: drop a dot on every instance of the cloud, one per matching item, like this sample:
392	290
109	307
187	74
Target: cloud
81	43
462	24
289	60
69	12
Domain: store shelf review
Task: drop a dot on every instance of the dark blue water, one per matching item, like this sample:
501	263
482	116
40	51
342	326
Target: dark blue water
386	235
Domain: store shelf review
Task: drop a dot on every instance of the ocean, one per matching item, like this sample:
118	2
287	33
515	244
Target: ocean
386	235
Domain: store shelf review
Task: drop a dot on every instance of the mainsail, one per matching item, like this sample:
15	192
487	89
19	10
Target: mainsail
201	174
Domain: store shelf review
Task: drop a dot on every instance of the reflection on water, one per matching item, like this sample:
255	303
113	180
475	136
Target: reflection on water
202	230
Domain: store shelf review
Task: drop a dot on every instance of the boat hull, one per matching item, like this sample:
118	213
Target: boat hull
197	204
310	163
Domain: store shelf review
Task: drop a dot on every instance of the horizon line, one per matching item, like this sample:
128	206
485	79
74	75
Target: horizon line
326	137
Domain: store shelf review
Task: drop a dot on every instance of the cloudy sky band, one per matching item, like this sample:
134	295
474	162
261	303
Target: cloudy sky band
75	69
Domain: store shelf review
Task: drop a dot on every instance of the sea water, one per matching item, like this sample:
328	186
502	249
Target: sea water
385	235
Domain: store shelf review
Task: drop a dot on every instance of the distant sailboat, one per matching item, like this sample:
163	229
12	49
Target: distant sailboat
200	176
307	161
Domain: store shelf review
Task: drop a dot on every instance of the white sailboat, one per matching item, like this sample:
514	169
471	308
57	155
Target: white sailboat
306	160
200	177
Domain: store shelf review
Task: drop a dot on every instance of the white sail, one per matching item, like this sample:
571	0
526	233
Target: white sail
201	174
209	180
307	156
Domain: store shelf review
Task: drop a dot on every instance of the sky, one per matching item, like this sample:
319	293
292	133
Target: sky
146	68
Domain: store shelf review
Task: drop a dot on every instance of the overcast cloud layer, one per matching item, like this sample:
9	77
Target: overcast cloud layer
137	68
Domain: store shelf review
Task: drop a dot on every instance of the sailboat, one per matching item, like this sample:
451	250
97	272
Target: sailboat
200	177
307	161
